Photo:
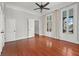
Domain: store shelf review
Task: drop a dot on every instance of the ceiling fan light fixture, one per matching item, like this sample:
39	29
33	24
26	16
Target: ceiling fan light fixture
41	7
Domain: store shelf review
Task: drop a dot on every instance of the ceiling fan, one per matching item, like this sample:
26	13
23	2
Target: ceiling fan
41	7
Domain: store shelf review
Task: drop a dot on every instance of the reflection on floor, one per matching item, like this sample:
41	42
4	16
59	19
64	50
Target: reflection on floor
40	46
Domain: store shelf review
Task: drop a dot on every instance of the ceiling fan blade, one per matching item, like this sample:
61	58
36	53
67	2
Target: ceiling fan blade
36	8
46	8
37	4
46	4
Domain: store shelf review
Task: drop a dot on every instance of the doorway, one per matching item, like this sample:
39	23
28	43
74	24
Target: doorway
36	28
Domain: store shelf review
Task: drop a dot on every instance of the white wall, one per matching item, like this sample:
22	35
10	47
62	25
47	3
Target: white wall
57	27
21	22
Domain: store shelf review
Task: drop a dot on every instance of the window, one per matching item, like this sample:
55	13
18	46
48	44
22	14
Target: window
70	21
67	17
49	23
64	21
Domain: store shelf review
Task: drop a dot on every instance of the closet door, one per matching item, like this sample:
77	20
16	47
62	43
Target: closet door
10	29
1	30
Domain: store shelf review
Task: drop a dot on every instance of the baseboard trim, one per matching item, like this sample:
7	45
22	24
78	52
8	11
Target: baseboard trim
43	36
60	39
19	39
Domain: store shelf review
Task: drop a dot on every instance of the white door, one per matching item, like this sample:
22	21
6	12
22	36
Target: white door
31	28
10	30
1	30
49	25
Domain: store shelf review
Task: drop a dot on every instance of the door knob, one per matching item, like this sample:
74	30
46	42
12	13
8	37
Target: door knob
2	32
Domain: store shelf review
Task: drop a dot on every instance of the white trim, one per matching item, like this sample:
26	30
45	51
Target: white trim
20	38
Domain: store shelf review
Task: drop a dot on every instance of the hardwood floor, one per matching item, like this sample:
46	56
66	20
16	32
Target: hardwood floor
40	46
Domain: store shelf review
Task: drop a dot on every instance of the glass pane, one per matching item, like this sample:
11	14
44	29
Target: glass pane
71	12
64	13
64	21
49	23
70	21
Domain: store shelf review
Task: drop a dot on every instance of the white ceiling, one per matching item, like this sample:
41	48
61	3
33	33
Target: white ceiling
31	5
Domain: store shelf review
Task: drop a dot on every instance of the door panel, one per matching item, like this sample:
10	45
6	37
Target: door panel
31	27
49	23
10	30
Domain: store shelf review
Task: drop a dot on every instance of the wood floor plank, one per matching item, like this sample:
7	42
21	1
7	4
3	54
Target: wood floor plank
40	46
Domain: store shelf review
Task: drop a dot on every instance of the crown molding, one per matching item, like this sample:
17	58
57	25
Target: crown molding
59	7
23	10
